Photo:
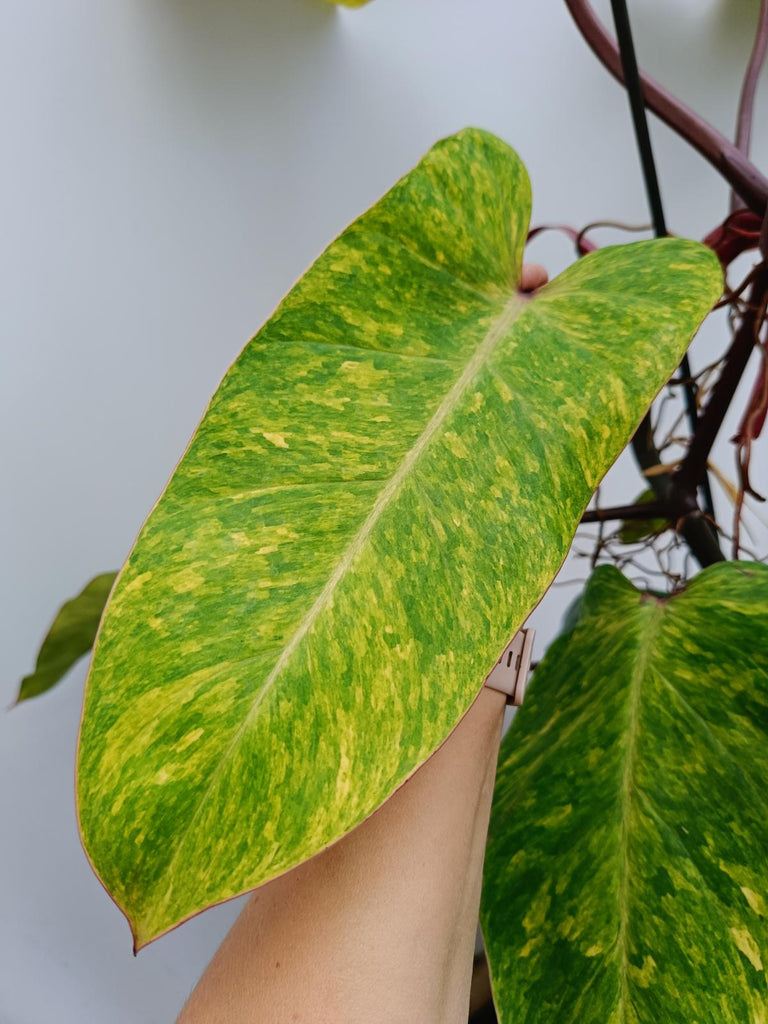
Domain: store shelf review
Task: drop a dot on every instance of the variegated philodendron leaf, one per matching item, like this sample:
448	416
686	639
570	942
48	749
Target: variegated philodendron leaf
381	489
626	878
70	637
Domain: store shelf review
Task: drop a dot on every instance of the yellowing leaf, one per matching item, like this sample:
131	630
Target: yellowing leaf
381	489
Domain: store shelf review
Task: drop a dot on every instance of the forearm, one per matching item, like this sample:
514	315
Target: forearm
380	927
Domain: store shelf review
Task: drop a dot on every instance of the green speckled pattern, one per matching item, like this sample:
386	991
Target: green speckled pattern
626	877
381	489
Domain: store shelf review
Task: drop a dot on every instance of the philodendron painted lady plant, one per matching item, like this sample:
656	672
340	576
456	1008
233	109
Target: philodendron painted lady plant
379	493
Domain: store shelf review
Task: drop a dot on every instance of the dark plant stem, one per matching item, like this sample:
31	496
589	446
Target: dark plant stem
485	1015
749	88
676	494
631	75
634	88
734	365
645	510
719	151
698	532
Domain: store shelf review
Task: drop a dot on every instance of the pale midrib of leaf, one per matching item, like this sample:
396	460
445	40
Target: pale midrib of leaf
494	335
647	640
381	352
215	499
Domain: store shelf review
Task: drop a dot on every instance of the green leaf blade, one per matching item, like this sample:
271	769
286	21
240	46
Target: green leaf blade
625	878
632	531
353	534
70	636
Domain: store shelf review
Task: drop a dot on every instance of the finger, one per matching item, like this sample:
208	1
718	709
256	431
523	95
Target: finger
533	277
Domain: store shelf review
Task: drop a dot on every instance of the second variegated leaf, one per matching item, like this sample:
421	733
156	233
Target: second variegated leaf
625	878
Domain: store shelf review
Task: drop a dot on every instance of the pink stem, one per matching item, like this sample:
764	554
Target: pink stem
743	177
749	88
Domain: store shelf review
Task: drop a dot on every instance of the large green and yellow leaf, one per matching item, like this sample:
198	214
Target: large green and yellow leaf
70	636
626	878
381	489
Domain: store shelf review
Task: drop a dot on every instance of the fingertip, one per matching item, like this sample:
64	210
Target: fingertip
533	276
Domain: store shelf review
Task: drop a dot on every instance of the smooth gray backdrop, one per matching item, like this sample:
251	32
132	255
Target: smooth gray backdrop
169	168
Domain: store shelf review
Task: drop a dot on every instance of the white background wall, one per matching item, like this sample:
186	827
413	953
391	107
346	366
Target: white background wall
169	168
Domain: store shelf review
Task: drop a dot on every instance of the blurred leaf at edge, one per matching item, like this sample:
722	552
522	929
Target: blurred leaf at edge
70	637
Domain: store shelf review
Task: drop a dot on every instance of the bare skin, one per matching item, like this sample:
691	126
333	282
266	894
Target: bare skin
380	927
